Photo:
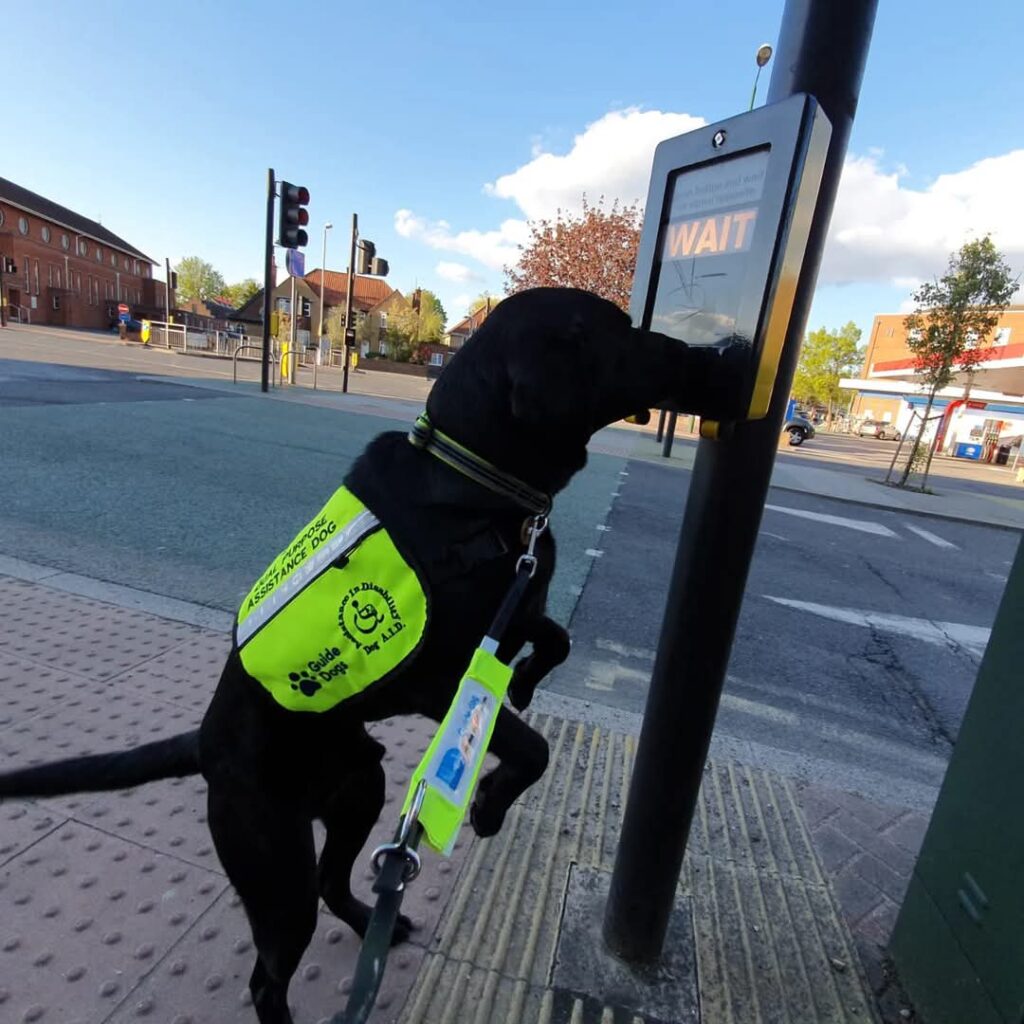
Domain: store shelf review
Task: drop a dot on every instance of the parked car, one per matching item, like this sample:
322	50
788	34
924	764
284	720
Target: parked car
799	430
880	429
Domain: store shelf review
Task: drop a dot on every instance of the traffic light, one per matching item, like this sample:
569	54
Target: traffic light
174	280
379	267
364	260
292	216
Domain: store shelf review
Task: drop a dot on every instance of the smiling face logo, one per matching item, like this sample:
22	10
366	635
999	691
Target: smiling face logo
368	617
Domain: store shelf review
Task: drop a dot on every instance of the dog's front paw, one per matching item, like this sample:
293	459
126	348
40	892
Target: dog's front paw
486	820
486	814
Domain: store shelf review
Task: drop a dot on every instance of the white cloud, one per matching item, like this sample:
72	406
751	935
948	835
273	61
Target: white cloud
611	157
884	231
494	249
457	272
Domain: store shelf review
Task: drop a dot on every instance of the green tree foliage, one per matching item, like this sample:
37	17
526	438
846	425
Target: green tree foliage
953	322
483	299
595	250
825	358
408	328
197	280
239	294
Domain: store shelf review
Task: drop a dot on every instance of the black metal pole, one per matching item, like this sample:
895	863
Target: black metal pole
268	282
822	50
662	413
670	434
349	318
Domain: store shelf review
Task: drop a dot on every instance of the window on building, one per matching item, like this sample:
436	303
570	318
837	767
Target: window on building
384	348
1002	336
49	275
127	265
28	277
78	284
46	232
113	259
23	225
383	321
436	359
65	242
95	292
1	218
58	278
83	247
36	269
99	254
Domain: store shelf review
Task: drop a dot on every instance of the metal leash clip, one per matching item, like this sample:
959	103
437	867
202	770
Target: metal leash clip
400	845
533	528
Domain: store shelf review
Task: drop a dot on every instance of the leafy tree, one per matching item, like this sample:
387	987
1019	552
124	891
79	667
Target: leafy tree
197	280
953	322
825	358
409	327
595	250
239	294
432	302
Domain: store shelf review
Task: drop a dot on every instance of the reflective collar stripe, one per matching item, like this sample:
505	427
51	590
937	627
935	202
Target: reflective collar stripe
426	436
364	523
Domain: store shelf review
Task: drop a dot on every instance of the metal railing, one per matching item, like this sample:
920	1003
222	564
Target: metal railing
259	349
19	314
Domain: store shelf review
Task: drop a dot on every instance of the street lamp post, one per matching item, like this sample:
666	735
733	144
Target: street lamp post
763	55
323	284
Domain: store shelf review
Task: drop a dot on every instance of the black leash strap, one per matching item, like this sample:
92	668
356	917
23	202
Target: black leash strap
396	864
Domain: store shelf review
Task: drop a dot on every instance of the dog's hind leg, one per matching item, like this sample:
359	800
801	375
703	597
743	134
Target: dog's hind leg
523	754
551	646
349	816
268	854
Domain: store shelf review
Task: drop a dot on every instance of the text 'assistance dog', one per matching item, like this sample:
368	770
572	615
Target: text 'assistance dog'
333	635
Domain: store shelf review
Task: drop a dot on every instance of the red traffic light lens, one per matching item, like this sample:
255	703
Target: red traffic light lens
303	217
302	195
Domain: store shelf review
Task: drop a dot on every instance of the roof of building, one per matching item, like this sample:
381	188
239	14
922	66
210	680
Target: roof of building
217	309
369	290
472	322
46	208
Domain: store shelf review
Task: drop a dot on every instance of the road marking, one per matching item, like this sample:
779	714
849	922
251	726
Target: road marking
851	524
777	536
604	528
605	675
932	538
614	647
594	552
996	576
972	638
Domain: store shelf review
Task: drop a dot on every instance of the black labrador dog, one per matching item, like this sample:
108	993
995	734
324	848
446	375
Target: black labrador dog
548	368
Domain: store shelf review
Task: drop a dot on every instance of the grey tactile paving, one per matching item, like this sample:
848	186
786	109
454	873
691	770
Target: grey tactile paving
204	980
23	825
74	634
91	723
186	675
84	917
28	689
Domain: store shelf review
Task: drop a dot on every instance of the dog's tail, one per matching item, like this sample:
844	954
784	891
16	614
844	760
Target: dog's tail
174	757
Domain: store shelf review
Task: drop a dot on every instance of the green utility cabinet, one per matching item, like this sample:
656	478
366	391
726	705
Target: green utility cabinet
959	940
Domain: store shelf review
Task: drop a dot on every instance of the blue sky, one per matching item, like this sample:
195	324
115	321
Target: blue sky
448	126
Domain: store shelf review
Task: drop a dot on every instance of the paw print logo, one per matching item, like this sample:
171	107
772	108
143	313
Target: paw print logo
303	681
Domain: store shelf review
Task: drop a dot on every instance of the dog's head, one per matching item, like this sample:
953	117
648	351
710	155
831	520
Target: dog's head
548	368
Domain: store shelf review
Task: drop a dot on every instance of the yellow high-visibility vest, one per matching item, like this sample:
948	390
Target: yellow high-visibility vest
338	610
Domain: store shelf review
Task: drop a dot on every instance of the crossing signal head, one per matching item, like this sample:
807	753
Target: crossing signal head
364	256
293	216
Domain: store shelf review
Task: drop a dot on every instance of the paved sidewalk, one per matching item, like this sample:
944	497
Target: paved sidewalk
113	907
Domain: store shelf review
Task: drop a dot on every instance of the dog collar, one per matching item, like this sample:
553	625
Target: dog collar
426	436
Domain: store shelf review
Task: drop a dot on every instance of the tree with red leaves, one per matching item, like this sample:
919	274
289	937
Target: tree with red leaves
595	250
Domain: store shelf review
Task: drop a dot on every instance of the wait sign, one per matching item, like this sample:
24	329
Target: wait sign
710	236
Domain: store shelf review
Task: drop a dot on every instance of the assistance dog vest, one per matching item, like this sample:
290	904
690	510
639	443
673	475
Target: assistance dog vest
338	610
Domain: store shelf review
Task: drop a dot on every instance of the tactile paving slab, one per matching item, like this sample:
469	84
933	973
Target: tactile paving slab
63	854
74	634
187	675
767	929
84	917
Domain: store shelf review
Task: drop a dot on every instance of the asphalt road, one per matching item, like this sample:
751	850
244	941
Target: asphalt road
857	645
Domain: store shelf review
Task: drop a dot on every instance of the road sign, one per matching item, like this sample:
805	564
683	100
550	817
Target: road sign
728	215
122	307
350	335
295	263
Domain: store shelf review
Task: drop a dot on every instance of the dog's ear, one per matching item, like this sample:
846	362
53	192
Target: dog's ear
548	379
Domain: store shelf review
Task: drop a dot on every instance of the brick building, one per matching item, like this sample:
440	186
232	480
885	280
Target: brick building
69	270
